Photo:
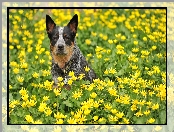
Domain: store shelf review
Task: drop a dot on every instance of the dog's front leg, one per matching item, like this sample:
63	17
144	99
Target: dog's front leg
55	85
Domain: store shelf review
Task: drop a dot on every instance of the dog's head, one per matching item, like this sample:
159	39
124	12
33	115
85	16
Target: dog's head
61	38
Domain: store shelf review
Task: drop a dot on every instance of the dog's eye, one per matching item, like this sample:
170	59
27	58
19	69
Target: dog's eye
55	38
67	38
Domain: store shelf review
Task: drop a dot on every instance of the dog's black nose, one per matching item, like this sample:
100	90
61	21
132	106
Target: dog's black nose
60	46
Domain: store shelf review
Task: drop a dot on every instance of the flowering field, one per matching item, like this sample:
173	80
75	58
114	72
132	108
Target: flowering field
125	47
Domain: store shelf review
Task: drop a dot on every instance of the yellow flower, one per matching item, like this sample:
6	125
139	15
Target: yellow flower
135	49
71	121
105	37
37	122
145	52
133	107
112	91
136	91
134	35
115	41
94	34
114	111
81	76
31	103
134	67
101	35
35	75
13	103
146	68
138	114
36	57
118	35
48	111
45	72
145	38
25	97
102	120
24	104
99	56
87	112
59	121
54	105
33	97
159	55
45	98
10	87
42	61
120	114
88	41
154	47
23	91
112	71
76	94
16	70
106	72
123	37
48	85
95	118
120	47
20	79
71	73
110	83
96	104
110	41
60	79
135	42
20	11
70	81
24	65
156	69
77	115
73	78
107	106
29	118
89	55
93	95
155	106
61	84
108	51
151	120
147	112
59	115
57	91
42	107
13	64
112	118
87	68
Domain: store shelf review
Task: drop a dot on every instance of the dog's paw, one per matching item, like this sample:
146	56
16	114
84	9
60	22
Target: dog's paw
68	87
54	86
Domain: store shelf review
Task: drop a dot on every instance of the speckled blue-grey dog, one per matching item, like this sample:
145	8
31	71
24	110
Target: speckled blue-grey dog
66	55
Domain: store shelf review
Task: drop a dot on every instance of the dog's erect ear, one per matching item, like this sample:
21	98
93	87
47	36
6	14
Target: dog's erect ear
73	23
49	24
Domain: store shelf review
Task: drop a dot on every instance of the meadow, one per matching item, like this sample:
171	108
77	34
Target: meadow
125	47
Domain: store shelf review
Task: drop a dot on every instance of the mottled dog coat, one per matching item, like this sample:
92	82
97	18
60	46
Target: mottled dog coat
66	55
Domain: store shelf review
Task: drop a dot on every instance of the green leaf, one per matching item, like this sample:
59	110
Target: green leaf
63	94
129	114
139	120
162	116
67	103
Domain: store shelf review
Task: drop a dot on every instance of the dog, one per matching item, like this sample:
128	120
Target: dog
66	55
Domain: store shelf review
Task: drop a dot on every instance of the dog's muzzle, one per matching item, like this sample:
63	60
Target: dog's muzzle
60	44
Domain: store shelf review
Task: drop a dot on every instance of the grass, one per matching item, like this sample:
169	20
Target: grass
126	49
